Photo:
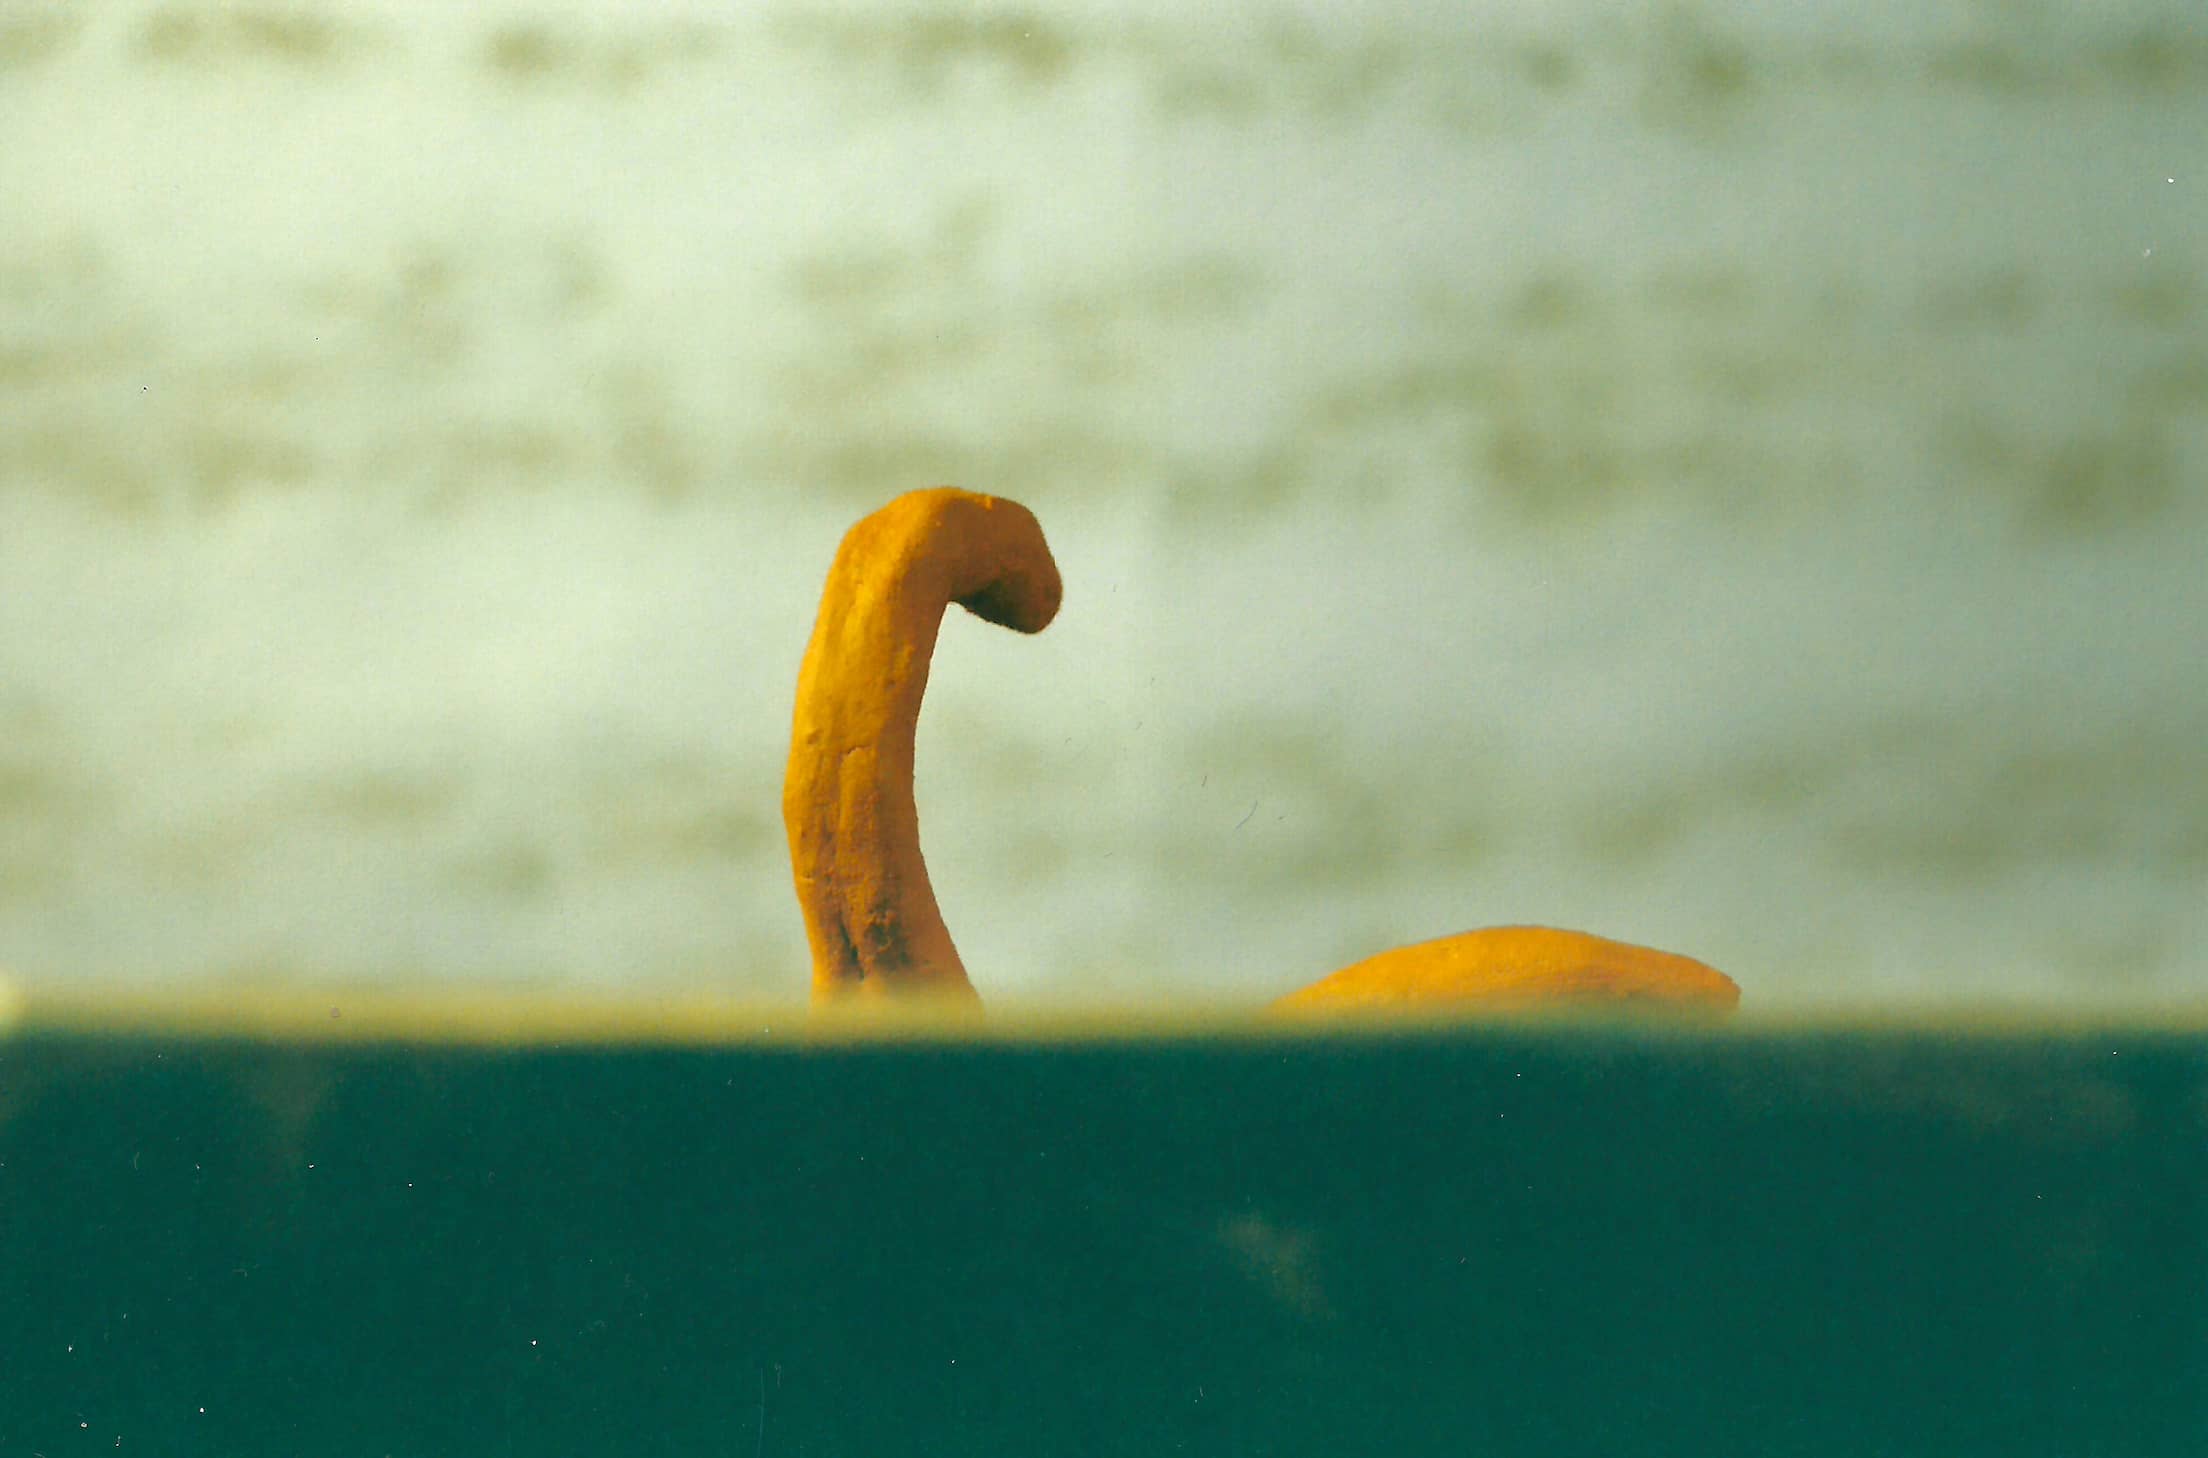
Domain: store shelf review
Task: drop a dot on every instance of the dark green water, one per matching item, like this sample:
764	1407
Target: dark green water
1539	1243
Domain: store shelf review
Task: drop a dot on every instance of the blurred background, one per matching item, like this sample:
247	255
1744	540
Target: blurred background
1725	476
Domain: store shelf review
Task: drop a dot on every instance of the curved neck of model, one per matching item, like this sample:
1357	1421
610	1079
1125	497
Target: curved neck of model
870	913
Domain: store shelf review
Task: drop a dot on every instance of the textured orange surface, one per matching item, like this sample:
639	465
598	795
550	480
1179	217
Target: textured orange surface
870	914
1517	967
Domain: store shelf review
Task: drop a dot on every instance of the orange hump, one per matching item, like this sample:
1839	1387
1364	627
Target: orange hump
1518	969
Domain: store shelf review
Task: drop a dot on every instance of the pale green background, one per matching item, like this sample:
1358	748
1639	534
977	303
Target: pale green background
1728	476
